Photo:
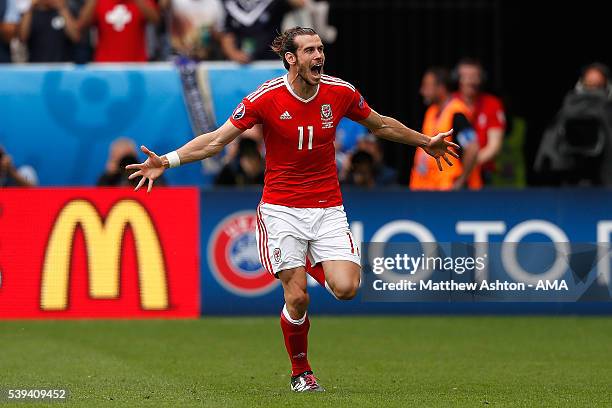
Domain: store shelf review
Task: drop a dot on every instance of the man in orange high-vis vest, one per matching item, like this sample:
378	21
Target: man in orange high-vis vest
446	112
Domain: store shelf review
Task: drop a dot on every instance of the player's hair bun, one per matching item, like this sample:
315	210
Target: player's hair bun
285	42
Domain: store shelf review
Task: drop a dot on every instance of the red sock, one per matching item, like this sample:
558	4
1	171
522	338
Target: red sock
296	341
316	272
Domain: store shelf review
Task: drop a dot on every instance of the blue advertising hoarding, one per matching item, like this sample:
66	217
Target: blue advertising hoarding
233	283
69	114
61	119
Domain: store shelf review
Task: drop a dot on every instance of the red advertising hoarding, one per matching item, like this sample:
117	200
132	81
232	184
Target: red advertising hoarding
99	253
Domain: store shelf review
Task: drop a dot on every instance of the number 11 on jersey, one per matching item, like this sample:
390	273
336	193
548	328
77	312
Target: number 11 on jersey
310	136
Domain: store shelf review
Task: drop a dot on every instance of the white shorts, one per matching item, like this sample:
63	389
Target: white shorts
286	235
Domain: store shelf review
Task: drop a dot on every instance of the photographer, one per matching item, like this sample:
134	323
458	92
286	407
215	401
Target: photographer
121	153
10	176
577	148
362	170
246	169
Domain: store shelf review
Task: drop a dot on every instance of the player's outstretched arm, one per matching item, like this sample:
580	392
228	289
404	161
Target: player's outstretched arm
208	144
199	148
392	129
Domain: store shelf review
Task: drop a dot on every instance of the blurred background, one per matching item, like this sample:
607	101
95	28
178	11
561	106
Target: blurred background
529	56
526	85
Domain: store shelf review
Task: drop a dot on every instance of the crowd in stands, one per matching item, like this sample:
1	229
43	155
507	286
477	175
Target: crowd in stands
81	31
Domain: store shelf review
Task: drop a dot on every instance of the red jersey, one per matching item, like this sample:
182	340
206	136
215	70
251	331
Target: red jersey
488	113
121	31
299	137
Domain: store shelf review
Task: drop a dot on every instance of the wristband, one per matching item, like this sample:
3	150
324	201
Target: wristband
173	159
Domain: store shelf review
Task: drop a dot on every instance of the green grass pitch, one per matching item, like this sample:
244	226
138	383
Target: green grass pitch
362	361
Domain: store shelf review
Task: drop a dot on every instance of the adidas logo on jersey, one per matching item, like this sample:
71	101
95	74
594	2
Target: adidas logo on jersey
285	116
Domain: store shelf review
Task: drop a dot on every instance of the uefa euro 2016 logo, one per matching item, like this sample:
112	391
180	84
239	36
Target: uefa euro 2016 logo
239	111
234	259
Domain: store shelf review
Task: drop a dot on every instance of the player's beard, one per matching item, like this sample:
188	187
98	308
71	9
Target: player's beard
304	72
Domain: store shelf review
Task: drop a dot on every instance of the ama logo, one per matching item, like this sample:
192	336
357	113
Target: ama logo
234	259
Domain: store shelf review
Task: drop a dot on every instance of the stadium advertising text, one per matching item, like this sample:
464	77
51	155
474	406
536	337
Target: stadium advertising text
100	253
571	237
525	271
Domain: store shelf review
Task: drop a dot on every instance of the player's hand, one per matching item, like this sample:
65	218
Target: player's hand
150	169
439	147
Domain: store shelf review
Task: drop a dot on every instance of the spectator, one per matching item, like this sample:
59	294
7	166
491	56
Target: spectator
314	14
247	168
10	176
196	28
49	30
157	35
251	25
9	18
233	149
121	153
347	135
121	27
383	174
82	50
362	170
487	111
445	112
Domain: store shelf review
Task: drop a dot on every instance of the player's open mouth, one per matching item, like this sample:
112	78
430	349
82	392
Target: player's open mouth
316	69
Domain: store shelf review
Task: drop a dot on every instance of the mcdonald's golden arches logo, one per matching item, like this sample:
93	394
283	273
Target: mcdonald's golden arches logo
103	240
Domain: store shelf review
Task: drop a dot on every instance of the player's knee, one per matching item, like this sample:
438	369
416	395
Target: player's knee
298	298
345	291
